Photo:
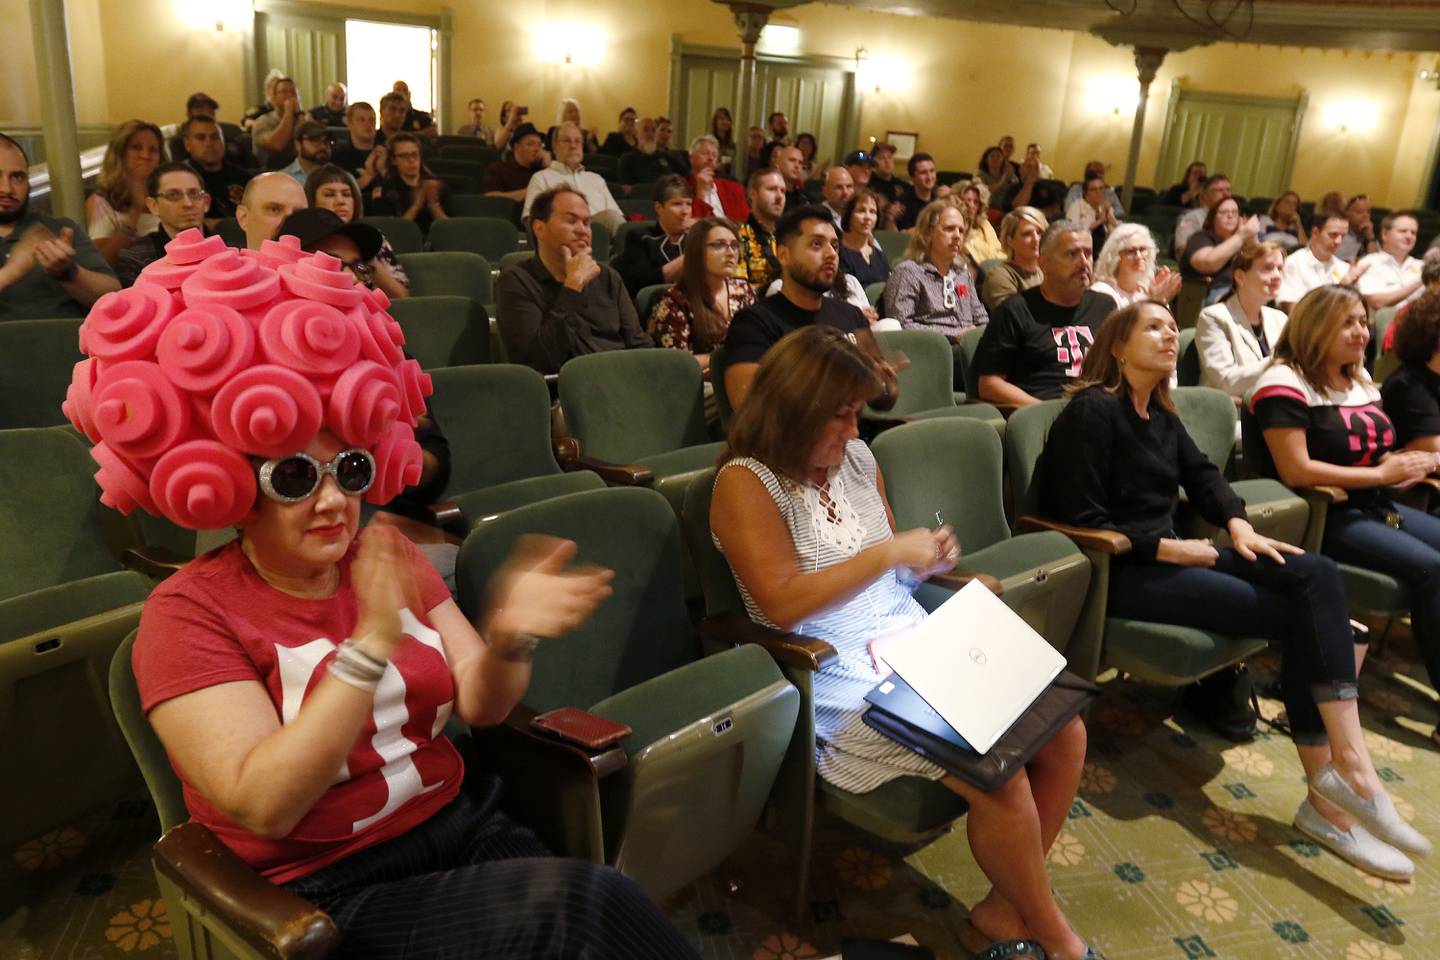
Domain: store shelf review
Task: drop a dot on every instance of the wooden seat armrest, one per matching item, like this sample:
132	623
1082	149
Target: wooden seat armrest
568	455
278	923
1005	408
602	762
1091	538
788	649
153	561
1331	495
956	579
445	514
1432	481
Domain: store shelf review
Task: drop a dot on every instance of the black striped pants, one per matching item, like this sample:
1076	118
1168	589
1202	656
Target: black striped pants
470	882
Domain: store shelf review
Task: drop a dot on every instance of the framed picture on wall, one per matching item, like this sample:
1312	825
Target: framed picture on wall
904	143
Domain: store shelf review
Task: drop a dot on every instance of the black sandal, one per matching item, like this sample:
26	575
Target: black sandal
1007	949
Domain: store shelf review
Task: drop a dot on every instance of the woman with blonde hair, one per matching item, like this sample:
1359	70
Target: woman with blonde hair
800	513
1020	234
1125	268
1323	424
1116	458
116	212
930	289
981	243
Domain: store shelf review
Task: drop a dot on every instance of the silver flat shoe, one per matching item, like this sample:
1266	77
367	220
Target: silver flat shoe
1377	813
1355	845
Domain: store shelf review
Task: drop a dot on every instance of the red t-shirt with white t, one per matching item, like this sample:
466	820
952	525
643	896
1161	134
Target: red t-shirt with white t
216	621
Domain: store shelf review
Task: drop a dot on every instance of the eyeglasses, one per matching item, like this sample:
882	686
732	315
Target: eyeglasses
723	246
323	138
1139	253
296	477
363	270
948	297
175	196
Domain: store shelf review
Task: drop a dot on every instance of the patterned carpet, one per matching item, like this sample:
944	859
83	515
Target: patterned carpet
1178	846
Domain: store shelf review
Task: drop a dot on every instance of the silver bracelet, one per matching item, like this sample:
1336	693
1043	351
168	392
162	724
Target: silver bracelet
522	650
346	674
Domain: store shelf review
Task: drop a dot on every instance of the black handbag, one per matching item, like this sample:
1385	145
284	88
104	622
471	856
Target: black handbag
1066	696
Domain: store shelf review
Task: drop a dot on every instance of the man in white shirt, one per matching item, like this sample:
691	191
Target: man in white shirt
569	147
1315	264
1217	188
1392	276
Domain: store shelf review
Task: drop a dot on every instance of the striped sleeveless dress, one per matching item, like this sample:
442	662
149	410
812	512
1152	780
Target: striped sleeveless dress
848	754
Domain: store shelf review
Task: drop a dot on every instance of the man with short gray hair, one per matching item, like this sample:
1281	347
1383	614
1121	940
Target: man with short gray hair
1037	339
566	170
713	196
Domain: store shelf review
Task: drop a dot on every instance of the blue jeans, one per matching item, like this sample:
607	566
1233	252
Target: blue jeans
1300	603
1410	554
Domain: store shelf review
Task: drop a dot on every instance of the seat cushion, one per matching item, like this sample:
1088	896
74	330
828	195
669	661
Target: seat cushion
1370	591
1169	655
54	607
661	705
905	810
686	459
487	502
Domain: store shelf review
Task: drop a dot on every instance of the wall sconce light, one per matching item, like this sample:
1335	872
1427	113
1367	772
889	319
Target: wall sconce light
1433	76
1351	116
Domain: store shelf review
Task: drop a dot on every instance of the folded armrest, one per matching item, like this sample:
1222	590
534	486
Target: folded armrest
276	922
568	455
1091	538
1331	495
153	561
956	579
788	649
601	762
445	514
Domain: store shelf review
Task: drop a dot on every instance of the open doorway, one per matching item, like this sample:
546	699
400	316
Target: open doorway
378	54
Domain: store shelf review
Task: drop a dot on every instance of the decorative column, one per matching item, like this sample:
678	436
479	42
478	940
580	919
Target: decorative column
1147	63
57	108
750	19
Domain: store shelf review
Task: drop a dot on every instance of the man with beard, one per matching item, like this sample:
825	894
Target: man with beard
48	267
175	193
1037	339
648	162
312	150
809	253
779	127
759	263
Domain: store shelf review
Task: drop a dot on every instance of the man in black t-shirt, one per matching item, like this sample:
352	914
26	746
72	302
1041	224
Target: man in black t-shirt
204	143
809	252
1036	340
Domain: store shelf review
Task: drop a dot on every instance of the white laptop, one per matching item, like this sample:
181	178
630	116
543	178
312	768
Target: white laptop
976	663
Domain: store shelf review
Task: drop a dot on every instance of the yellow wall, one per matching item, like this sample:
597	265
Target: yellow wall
945	79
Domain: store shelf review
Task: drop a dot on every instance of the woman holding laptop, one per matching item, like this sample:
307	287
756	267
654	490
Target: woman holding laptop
799	511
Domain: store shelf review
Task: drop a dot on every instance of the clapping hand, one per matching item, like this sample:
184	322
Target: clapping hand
384	584
56	255
1164	285
539	594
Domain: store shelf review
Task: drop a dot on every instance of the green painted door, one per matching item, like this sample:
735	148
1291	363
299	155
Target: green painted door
309	49
1252	139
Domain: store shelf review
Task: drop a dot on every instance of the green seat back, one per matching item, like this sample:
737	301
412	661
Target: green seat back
449	273
229	230
453	166
479	205
50	516
1025	434
497	419
145	746
490	237
444	331
642	207
928	382
1209	417
624	405
1187	369
640	631
968	343
874	292
404	235
514	257
458	183
602	246
1189	302
37	360
474	152
718	362
949	464
893	242
717	583
645	301
617	242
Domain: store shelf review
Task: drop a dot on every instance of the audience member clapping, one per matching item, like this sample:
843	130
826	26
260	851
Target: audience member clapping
268	199
1322	423
410	190
799	512
1092	209
1032	151
50	267
860	253
714	197
1392	275
1023	192
116	211
1125	269
567	170
930	288
176	197
1235	338
1094	168
204	145
1117	458
1217	188
1036	339
331	113
1209	250
273	133
331	188
561	303
1189	191
1020	234
695	313
657	254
